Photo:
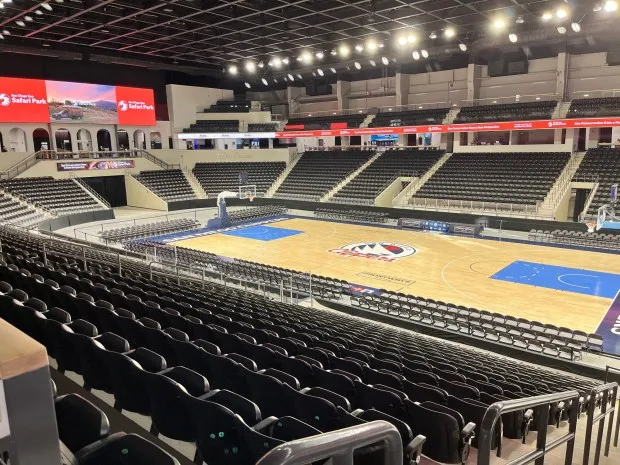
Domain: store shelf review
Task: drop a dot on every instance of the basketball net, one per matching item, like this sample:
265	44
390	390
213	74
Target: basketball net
591	226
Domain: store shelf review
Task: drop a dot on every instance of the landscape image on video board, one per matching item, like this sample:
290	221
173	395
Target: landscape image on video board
73	102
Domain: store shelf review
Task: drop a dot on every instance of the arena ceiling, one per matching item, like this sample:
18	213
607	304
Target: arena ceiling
212	35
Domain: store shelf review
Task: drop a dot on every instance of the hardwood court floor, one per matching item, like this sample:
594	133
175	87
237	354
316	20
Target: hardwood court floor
448	268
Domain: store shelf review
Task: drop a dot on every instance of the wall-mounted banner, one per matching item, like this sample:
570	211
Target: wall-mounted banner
95	165
39	101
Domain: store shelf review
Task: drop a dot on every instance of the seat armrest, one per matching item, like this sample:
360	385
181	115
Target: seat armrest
264	424
416	446
467	433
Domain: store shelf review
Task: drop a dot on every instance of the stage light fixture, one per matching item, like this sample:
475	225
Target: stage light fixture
359	48
261	64
416	55
299	77
28	18
463	47
373	63
275	81
265	81
449	32
247	84
499	23
232	69
6	32
47	6
520	20
319	55
270	63
334	52
411	39
385	61
290	77
576	27
250	67
306	57
1	36
285	61
512	37
381	45
38	12
277	62
344	50
424	53
597	7
357	65
285	79
561	13
402	40
561	29
547	16
333	70
320	72
371	45
433	35
610	6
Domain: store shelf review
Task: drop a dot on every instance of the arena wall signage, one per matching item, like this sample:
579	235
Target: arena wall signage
95	165
39	101
440	128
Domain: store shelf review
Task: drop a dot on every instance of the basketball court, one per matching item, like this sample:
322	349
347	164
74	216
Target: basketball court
554	285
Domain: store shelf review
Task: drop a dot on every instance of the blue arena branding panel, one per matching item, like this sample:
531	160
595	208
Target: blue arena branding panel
609	329
262	233
596	283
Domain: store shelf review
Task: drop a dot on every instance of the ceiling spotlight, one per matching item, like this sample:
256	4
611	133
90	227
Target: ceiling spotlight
6	32
576	27
290	77
561	13
359	48
270	63
372	63
232	69
275	81
20	23
250	67
38	12
450	32
299	77
285	79
344	50
319	55
547	16
277	62
463	47
28	18
381	45
1	36
499	23
47	6
416	55
402	40
597	7
285	61
520	20
299	58
314	73
320	72
357	65
247	84
561	29
433	35
306	57
261	64
334	52
610	5
385	61
512	37
424	53
265	81
333	70
371	45
411	38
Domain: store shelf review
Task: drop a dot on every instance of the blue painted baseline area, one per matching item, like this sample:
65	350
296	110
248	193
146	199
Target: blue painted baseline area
262	233
589	282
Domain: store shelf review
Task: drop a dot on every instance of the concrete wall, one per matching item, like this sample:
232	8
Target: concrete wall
315	107
372	102
590	72
188	158
373	85
540	79
49	168
139	196
8	159
387	196
440	86
185	101
511	148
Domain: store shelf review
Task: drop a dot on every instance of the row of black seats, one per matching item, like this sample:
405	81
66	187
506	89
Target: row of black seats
352	215
250	214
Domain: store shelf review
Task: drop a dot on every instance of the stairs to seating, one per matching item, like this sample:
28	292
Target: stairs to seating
451	115
367	121
350	178
584	213
561	110
100	200
403	198
560	187
193	181
274	187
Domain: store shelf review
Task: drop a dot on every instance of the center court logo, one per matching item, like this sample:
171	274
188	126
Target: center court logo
5	100
382	251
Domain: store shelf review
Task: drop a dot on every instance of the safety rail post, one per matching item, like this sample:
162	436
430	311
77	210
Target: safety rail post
338	445
541	403
609	369
605	390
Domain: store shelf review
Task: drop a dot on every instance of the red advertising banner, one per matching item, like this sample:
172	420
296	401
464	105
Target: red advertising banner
95	165
471	127
39	101
23	101
135	106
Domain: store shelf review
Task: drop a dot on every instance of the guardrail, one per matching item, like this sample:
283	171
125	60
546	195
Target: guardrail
529	211
541	404
511	99
20	166
339	445
603	393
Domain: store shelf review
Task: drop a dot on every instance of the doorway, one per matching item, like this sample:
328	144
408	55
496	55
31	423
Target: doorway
41	139
111	188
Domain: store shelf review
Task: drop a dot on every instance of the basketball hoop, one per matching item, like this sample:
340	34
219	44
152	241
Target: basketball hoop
591	226
250	198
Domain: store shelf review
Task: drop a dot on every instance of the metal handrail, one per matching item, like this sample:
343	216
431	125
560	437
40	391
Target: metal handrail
92	191
595	393
541	403
338	445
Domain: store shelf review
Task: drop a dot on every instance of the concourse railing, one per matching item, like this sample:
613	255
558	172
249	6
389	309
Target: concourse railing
541	406
606	396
